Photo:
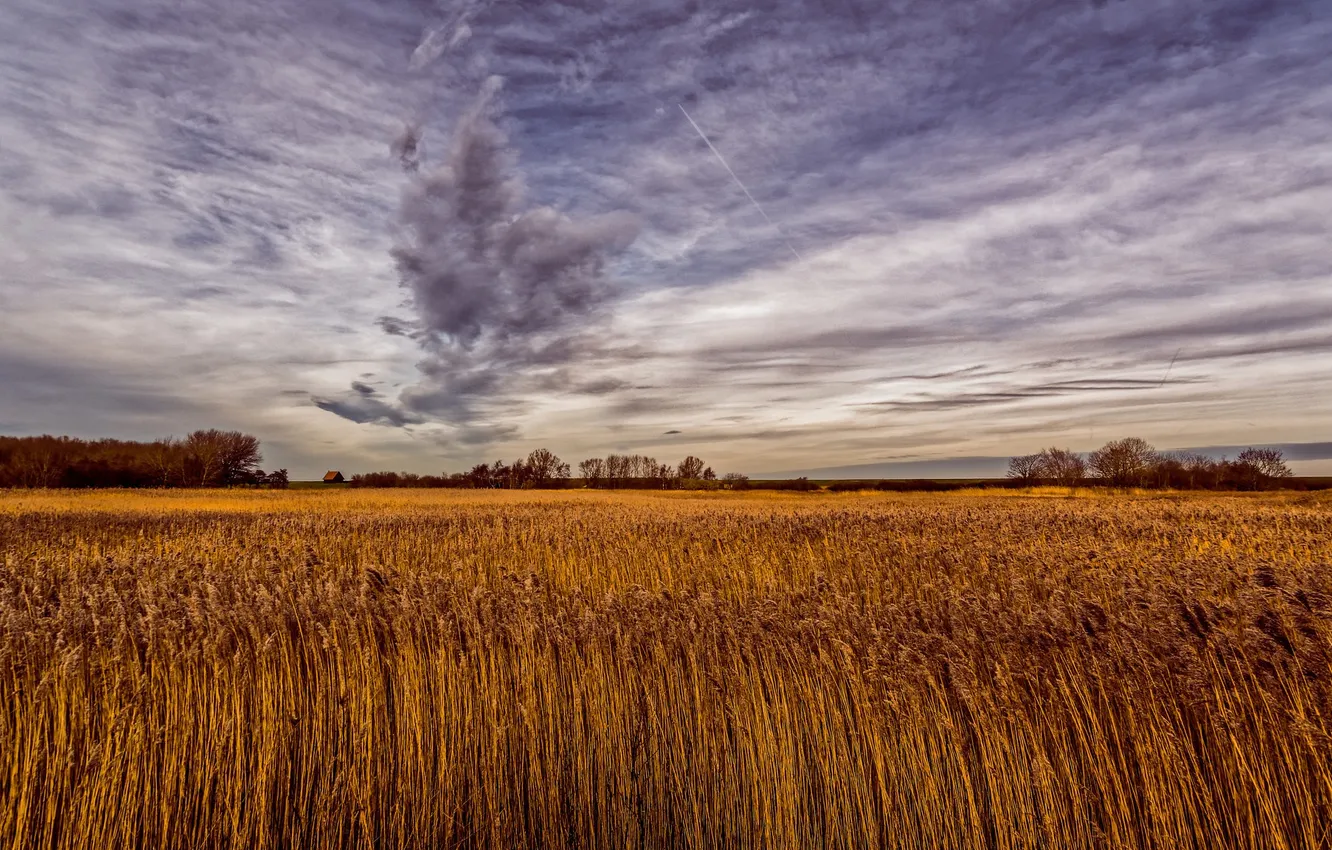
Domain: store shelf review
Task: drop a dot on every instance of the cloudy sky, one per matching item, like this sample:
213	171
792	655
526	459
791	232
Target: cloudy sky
411	234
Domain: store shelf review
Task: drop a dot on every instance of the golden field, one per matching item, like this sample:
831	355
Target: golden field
394	669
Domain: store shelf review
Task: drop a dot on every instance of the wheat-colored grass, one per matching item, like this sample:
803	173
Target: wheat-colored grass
506	670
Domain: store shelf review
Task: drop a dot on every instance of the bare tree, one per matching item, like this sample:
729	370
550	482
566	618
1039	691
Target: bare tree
617	469
1123	463
479	476
214	457
1025	468
1063	467
203	456
240	457
1271	463
593	471
164	459
1194	466
1199	469
1257	467
735	481
224	457
646	467
499	475
40	461
543	467
666	476
691	468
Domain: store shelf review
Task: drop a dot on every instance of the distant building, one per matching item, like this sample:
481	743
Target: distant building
333	477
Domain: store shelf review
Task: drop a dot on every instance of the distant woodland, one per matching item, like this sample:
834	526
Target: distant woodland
215	458
1133	462
206	458
542	469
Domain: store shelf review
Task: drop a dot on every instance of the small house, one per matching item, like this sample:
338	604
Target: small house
333	477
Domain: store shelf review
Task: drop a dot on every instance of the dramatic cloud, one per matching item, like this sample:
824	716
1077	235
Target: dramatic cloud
499	286
1010	217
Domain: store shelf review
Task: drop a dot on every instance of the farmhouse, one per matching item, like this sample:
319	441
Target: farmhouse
333	477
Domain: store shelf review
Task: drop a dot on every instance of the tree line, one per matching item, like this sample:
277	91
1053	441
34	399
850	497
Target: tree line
1133	462
543	469
205	458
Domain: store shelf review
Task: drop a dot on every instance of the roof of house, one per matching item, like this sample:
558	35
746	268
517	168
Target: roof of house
332	475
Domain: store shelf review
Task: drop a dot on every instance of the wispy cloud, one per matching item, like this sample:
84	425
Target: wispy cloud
199	203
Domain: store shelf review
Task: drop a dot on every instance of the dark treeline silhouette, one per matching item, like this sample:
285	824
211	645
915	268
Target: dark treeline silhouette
645	473
542	469
206	458
1133	462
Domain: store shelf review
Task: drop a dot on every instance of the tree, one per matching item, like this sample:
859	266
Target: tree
1270	463
1062	466
41	461
1254	468
240	457
593	471
617	469
203	457
1199	469
1123	463
1025	468
1168	470
645	467
216	457
543	467
666	476
503	476
709	475
479	476
212	456
165	460
735	481
691	468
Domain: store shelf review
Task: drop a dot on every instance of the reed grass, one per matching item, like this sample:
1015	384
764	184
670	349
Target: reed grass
434	669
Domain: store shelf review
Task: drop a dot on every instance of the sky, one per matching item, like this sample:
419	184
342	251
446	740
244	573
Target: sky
814	235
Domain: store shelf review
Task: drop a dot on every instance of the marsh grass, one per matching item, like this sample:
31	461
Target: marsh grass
451	669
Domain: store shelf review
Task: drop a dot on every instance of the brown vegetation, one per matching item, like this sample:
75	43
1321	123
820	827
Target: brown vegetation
1133	462
543	470
451	669
206	458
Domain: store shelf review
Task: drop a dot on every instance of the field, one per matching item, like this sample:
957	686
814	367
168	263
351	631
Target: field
392	669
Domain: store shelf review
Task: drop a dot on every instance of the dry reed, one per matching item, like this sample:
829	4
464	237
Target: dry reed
506	670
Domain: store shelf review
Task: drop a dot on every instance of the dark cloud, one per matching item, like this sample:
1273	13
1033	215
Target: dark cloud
479	261
366	410
605	386
395	327
499	285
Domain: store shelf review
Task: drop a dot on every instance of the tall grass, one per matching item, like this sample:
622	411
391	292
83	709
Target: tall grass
507	670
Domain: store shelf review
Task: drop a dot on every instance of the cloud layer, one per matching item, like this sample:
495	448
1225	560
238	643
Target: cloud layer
1012	216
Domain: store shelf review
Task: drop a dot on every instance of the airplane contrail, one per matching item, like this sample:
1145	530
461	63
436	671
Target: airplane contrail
722	160
1168	368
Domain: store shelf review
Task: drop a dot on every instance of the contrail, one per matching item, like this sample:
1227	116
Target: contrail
1168	368
729	171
